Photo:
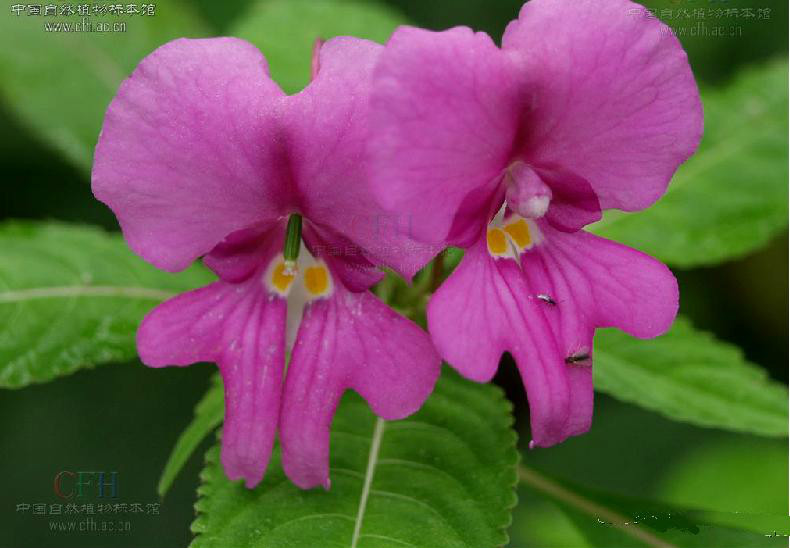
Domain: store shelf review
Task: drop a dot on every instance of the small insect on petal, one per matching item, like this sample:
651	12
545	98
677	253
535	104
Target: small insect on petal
578	358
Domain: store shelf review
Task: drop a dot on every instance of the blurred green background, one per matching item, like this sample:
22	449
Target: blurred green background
126	417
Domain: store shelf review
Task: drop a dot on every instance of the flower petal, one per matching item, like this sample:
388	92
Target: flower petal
189	149
241	253
444	112
328	128
599	283
241	328
613	97
351	340
483	310
346	259
574	203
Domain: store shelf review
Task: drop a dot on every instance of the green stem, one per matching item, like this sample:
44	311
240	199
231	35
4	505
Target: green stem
293	238
437	272
534	479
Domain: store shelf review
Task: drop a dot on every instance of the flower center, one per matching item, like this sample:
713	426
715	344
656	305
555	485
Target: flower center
301	283
282	278
509	236
305	281
293	268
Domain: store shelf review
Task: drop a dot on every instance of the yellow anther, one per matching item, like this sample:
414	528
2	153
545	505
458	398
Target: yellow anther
519	233
497	241
282	278
316	279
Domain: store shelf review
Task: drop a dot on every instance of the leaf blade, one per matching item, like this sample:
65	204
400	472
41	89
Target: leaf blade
285	30
85	68
437	480
72	297
209	413
615	521
688	375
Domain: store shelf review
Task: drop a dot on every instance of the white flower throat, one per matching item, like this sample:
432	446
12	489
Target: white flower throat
514	229
509	237
307	281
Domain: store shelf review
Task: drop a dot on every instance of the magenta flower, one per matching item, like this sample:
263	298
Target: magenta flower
509	153
201	154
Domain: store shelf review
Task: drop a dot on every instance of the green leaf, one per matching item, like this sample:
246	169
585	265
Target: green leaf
688	375
285	31
208	415
72	297
613	521
60	83
711	475
730	198
442	477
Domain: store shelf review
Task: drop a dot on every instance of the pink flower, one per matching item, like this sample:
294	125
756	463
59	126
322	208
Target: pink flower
201	154
509	153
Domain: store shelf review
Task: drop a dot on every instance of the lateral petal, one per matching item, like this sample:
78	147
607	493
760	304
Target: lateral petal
483	310
350	340
242	329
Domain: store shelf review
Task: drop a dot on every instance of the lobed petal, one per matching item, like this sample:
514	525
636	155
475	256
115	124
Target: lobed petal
600	283
242	329
544	311
444	112
350	340
346	259
574	203
613	99
483	310
242	253
190	150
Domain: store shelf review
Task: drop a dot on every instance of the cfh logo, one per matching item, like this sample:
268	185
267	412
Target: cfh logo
68	485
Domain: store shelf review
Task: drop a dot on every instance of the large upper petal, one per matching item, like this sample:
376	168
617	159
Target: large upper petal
190	149
328	124
612	96
444	116
242	329
350	340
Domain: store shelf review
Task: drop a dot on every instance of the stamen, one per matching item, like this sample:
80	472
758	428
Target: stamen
316	279
497	242
277	278
282	278
519	233
293	242
509	235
